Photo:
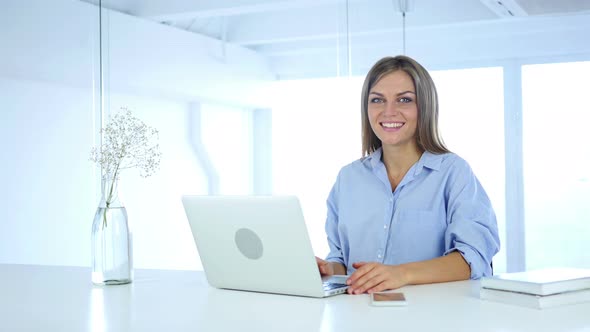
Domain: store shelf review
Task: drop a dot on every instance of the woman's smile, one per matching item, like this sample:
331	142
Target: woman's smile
392	126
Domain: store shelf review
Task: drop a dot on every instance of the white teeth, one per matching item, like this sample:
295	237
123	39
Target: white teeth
392	125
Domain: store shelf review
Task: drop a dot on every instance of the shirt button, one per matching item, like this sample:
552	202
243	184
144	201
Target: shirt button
379	256
384	226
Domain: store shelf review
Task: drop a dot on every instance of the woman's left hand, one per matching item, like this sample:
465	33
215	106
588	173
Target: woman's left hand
371	277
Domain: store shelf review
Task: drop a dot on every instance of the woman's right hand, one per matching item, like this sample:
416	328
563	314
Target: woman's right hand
326	269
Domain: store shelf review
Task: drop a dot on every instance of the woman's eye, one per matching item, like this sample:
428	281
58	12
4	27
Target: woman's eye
405	100
376	100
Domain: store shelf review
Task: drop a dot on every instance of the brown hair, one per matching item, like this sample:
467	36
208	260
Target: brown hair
427	135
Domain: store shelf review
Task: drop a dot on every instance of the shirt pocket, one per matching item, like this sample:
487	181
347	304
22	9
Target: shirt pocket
417	235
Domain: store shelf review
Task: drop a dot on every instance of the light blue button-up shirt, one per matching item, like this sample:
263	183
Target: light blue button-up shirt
438	207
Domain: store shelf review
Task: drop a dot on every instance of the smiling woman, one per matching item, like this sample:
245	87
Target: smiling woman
409	211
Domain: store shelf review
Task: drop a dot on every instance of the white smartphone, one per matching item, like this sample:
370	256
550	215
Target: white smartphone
388	299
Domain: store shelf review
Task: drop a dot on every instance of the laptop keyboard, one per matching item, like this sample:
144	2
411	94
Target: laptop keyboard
328	286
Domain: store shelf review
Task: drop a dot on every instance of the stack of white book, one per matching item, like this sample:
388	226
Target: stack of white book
538	288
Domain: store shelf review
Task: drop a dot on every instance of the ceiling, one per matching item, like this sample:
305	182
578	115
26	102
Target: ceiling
302	38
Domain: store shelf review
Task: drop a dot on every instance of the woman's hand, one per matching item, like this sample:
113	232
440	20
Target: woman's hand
373	277
329	268
326	269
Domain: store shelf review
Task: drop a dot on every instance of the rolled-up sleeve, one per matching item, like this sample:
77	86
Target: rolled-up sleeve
472	228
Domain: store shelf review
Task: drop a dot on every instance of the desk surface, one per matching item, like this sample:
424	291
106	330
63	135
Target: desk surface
50	298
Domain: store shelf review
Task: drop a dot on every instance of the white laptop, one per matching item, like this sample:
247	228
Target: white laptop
257	243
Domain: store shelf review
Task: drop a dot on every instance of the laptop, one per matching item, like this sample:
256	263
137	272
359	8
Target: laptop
257	243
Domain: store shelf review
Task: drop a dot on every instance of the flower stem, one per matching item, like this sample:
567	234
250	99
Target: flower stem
110	182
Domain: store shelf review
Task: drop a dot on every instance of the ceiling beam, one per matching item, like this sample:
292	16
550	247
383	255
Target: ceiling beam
516	29
328	21
175	10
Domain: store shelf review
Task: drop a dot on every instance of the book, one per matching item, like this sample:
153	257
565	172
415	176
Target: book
540	282
535	301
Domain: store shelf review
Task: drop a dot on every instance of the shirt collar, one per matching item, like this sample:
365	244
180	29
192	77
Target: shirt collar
427	160
375	158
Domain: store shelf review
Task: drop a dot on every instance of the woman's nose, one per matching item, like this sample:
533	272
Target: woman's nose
391	108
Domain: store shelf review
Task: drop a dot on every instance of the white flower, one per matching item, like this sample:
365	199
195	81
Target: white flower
127	143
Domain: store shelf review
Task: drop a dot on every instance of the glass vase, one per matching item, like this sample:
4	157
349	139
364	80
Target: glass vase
111	239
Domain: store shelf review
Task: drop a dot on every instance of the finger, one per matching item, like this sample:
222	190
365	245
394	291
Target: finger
388	283
358	265
360	288
393	279
360	270
360	277
370	279
321	265
379	288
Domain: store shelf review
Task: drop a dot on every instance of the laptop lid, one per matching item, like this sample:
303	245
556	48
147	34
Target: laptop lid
254	243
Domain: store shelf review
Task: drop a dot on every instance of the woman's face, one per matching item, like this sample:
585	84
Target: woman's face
392	111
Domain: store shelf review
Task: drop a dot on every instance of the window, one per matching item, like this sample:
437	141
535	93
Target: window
556	164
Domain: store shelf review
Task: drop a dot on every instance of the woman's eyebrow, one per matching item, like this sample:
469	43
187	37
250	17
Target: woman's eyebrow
399	94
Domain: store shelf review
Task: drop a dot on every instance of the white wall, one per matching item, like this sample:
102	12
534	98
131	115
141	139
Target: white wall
49	120
46	128
58	41
48	188
149	58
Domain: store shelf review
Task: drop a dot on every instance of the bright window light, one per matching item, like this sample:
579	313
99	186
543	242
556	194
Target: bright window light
556	164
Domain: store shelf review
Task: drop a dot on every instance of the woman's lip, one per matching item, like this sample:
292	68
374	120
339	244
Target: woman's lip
396	128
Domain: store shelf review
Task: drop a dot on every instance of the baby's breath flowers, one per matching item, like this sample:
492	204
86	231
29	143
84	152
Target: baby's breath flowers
127	143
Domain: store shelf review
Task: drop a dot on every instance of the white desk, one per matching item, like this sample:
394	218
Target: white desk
45	298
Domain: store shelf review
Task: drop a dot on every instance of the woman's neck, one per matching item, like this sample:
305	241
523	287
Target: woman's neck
398	160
